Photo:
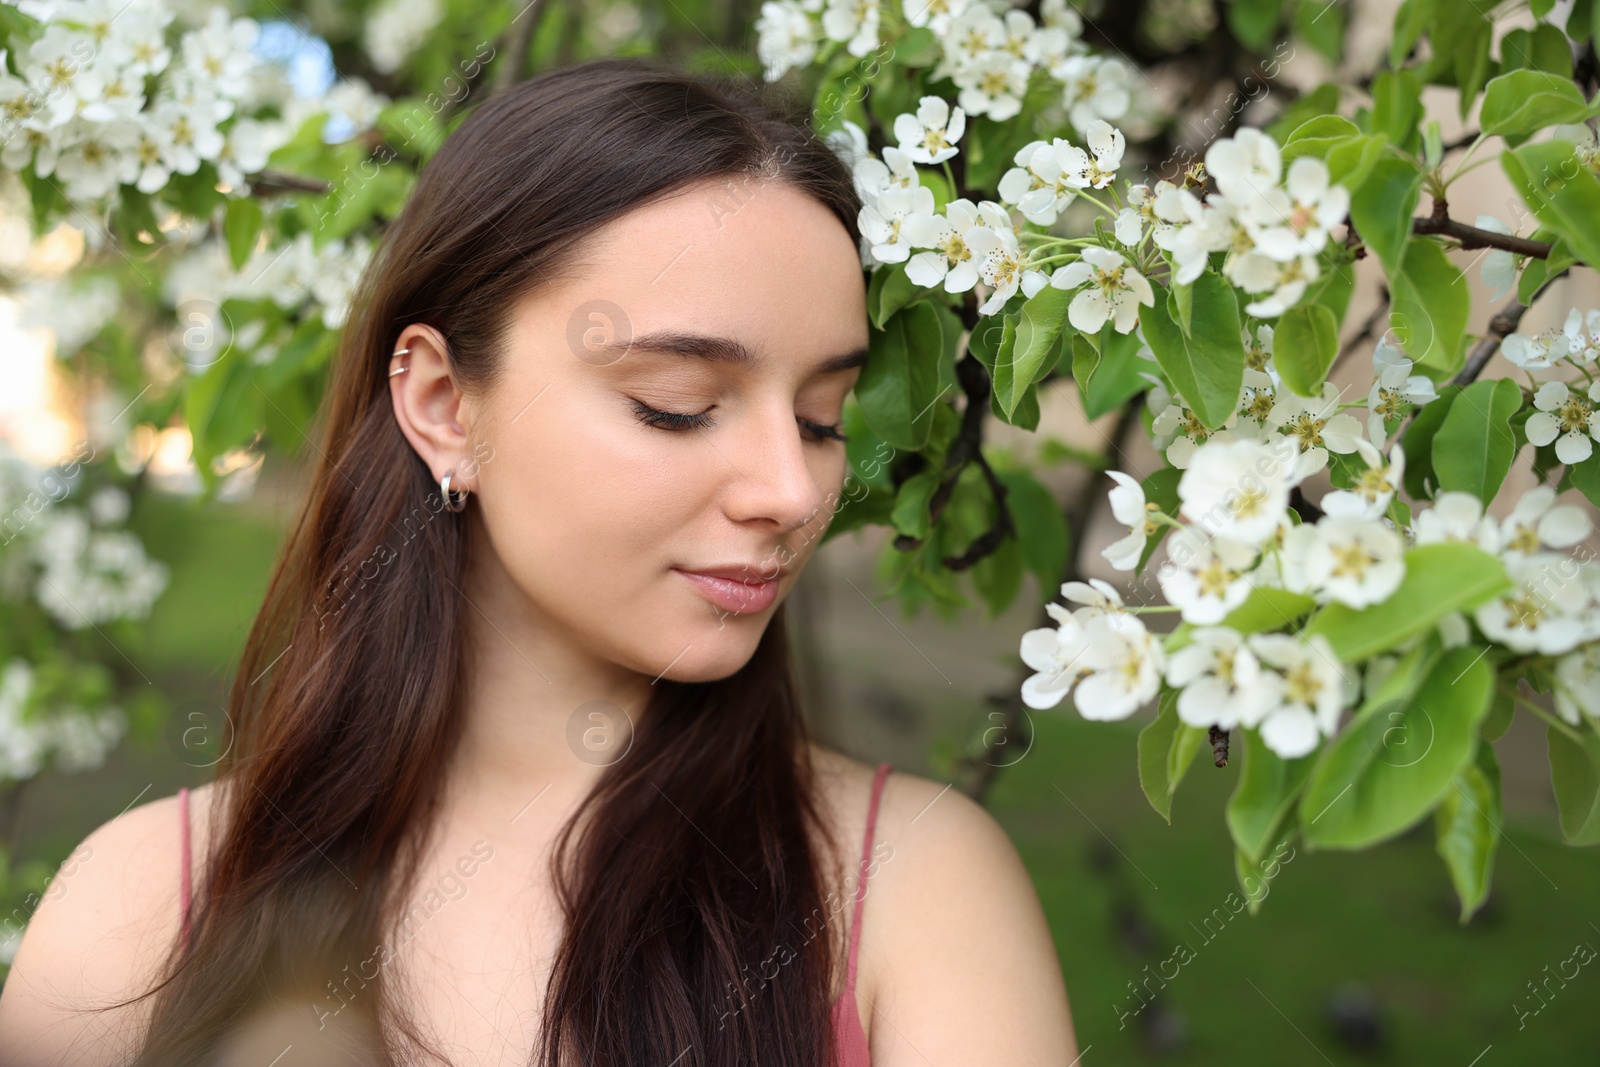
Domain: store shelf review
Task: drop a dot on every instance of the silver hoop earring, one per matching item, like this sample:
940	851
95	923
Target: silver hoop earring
451	501
403	367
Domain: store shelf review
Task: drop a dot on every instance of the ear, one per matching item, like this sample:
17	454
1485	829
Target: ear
432	411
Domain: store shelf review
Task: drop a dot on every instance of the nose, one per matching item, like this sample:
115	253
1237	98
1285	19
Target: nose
773	475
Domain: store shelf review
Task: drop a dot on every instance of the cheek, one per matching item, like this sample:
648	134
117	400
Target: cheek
580	487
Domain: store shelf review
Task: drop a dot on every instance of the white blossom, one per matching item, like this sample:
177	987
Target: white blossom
1499	270
1310	692
1093	87
1456	517
1582	332
1237	489
394	29
1316	425
1003	266
882	221
1539	522
1577	687
1204	577
1548	610
951	263
930	135
1128	507
1354	561
1570	415
1115	290
1376	486
1220	680
1535	351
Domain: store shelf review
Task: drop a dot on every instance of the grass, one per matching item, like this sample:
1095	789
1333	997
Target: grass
1376	931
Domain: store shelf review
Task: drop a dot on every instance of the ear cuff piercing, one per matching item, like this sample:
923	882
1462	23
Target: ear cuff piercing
402	368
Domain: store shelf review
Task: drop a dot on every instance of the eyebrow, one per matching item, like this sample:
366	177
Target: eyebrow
720	350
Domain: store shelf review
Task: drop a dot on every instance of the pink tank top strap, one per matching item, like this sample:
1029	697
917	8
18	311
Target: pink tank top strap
183	877
861	889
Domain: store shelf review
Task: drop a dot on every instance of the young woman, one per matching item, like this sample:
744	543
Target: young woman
519	774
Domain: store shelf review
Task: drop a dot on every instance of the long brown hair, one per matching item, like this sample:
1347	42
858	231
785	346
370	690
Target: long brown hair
690	933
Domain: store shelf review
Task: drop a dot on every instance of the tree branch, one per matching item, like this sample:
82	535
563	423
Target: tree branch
1442	224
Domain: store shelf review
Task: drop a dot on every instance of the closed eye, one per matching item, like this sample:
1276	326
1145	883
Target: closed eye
676	421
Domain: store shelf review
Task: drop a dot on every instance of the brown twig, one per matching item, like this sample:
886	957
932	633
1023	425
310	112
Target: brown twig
1443	225
270	183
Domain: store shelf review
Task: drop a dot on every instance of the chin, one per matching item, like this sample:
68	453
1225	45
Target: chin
714	653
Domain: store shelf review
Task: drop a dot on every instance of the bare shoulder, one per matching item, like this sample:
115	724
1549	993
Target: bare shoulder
954	937
98	935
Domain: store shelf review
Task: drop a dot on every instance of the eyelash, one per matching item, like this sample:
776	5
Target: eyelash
672	420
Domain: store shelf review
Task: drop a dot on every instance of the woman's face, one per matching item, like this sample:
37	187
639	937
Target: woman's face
738	311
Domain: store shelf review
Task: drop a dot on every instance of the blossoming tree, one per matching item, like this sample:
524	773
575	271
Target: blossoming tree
1367	646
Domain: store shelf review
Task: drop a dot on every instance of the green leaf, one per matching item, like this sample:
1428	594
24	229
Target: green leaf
1041	528
1269	786
1523	102
1161	489
1563	193
1253	21
1166	749
888	291
1542	48
1431	304
1575	773
1473	449
1323	26
1109	376
918	48
241	226
1585	478
1410	19
1316	136
1382	208
1467	826
1323	100
1038	332
1268	608
910	513
900	383
1206	366
1440	578
1303	347
1350	164
1396	106
1333	289
1418	441
1181	304
1395	760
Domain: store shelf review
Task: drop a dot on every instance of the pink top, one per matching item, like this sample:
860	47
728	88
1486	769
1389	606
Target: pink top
849	1038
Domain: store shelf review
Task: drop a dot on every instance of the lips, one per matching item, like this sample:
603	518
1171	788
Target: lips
732	588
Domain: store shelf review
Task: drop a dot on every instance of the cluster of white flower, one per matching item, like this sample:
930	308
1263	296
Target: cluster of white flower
394	29
80	115
90	574
1553	607
1234	534
1266	411
1568	412
79	110
288	274
968	243
1272	225
78	740
988	48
